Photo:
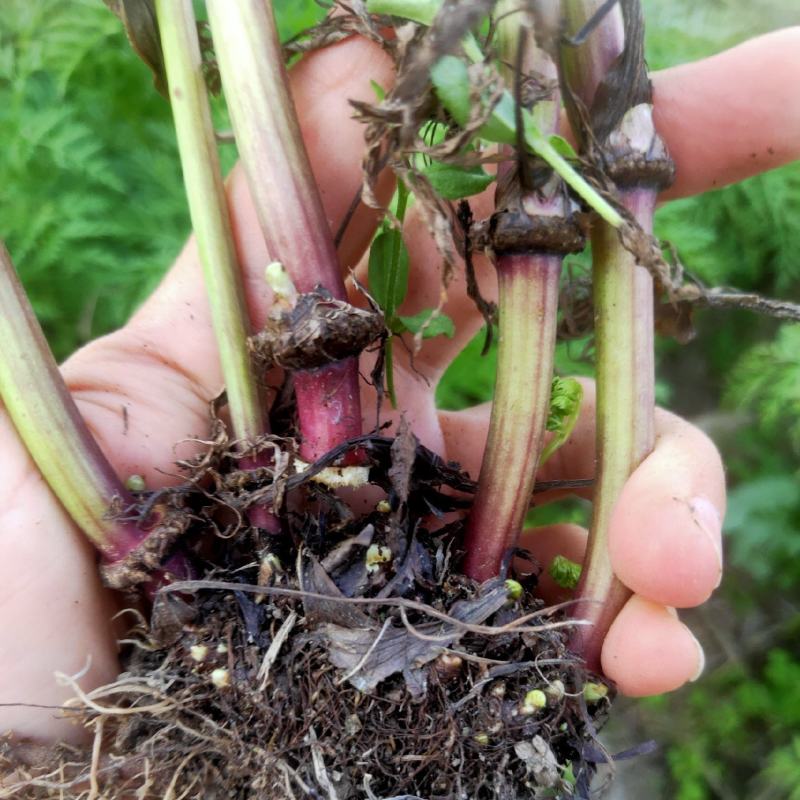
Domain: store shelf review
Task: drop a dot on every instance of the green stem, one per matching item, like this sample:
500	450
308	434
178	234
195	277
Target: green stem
51	427
625	416
621	128
400	213
541	145
205	191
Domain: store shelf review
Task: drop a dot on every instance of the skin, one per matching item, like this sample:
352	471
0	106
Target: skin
162	367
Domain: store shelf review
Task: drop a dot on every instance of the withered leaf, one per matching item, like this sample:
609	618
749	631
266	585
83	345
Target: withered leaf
395	649
317	581
168	617
141	27
343	551
539	761
404	453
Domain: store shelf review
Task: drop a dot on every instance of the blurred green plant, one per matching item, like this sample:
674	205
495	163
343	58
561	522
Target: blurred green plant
737	733
89	179
93	208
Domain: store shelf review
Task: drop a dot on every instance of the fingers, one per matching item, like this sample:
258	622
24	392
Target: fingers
648	650
148	385
53	614
665	537
733	115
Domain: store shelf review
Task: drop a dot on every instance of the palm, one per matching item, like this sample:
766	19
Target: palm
148	386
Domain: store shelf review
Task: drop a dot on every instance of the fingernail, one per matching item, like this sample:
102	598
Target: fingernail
707	518
701	659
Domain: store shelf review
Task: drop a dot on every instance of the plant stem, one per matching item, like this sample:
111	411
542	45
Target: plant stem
205	192
287	201
625	425
528	274
617	129
528	303
53	431
400	213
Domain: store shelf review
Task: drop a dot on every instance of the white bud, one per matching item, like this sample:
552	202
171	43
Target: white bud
281	284
198	652
221	678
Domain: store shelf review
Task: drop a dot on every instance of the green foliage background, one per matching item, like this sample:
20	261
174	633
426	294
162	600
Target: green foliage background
92	210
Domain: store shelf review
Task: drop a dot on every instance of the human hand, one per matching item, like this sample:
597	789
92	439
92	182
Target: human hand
162	368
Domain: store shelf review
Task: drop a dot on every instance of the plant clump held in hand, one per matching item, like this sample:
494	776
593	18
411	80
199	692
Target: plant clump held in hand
302	641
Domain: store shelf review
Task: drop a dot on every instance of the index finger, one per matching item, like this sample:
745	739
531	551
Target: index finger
732	115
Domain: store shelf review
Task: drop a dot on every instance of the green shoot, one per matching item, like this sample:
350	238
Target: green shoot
565	405
564	572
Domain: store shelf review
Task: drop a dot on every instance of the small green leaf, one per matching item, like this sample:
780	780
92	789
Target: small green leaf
450	78
453	183
380	93
451	81
562	146
421	11
430	323
565	405
564	572
388	270
501	126
433	133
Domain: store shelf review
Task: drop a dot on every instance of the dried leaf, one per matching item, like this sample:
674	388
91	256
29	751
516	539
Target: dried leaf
404	454
372	655
343	551
539	761
169	616
317	581
141	27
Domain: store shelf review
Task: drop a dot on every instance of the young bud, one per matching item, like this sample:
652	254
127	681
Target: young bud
221	678
535	700
594	692
198	652
376	556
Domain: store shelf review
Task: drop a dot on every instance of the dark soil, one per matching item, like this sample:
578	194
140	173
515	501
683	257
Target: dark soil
344	658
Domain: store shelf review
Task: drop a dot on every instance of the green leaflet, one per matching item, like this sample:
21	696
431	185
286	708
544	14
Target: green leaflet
421	11
453	183
380	92
451	81
565	405
388	271
388	282
429	322
562	146
564	572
